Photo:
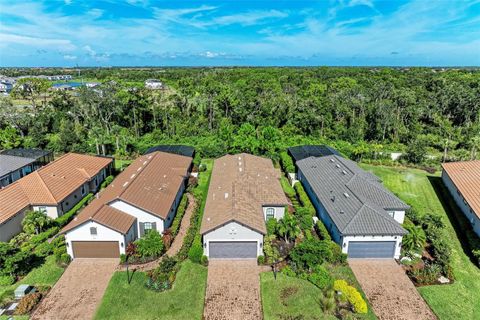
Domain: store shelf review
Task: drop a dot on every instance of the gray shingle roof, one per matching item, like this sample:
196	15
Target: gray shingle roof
355	199
26	153
12	163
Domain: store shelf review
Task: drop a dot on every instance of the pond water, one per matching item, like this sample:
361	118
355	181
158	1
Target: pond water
70	83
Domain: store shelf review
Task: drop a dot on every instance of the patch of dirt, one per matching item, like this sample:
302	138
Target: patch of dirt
389	290
287	293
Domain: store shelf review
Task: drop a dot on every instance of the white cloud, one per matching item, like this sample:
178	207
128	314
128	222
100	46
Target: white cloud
68	2
69	57
60	44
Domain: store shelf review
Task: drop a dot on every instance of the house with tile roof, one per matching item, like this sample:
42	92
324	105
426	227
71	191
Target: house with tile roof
462	180
244	192
53	189
362	216
144	197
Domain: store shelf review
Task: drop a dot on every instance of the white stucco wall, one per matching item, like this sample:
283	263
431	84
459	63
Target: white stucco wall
51	211
82	233
279	212
233	231
399	216
397	239
467	211
142	216
12	227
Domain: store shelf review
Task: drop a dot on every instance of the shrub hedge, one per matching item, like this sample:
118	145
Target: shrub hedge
322	230
304	199
179	216
286	162
67	217
27	303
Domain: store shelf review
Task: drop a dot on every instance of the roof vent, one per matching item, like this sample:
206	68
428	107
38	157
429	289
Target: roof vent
333	199
139	168
164	175
144	163
125	184
344	172
150	157
342	212
337	165
346	195
226	195
132	176
240	169
332	160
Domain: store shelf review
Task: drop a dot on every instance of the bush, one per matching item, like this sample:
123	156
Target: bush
322	231
63	220
164	275
196	252
151	245
204	261
320	277
286	162
106	182
192	183
352	295
44	249
272	226
310	253
304	218
304	199
288	271
337	255
6	280
123	258
179	216
261	260
27	303
271	252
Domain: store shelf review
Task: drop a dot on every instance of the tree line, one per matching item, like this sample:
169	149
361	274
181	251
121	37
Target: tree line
361	111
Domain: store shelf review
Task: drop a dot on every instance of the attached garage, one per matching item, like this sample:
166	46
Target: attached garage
233	250
95	249
371	249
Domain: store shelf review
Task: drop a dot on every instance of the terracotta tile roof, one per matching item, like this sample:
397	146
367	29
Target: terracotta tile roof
465	175
239	187
150	183
50	184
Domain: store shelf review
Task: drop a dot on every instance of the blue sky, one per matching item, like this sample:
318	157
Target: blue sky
273	32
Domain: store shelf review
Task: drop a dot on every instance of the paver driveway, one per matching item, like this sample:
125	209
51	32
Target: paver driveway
389	290
233	290
78	292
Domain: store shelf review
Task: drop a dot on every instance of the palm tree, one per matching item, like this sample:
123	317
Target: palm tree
35	222
415	239
288	227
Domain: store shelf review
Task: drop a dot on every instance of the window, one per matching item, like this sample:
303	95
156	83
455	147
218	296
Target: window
42	209
147	226
83	190
391	214
96	182
270	213
93	231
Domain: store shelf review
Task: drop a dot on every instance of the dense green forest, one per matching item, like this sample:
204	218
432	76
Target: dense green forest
431	115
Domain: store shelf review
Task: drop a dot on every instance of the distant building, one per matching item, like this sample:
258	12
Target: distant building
17	163
92	84
154	84
5	86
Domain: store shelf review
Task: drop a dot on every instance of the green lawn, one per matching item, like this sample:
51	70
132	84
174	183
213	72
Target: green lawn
460	300
45	275
184	301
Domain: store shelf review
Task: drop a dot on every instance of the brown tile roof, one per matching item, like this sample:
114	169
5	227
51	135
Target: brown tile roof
465	175
239	187
50	184
150	183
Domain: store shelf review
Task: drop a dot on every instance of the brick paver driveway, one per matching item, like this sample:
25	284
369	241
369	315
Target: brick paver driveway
233	290
389	290
78	292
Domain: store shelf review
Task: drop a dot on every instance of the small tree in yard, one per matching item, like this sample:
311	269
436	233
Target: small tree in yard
288	227
35	222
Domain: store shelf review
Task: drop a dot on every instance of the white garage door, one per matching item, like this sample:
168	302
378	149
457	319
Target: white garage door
232	250
371	249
